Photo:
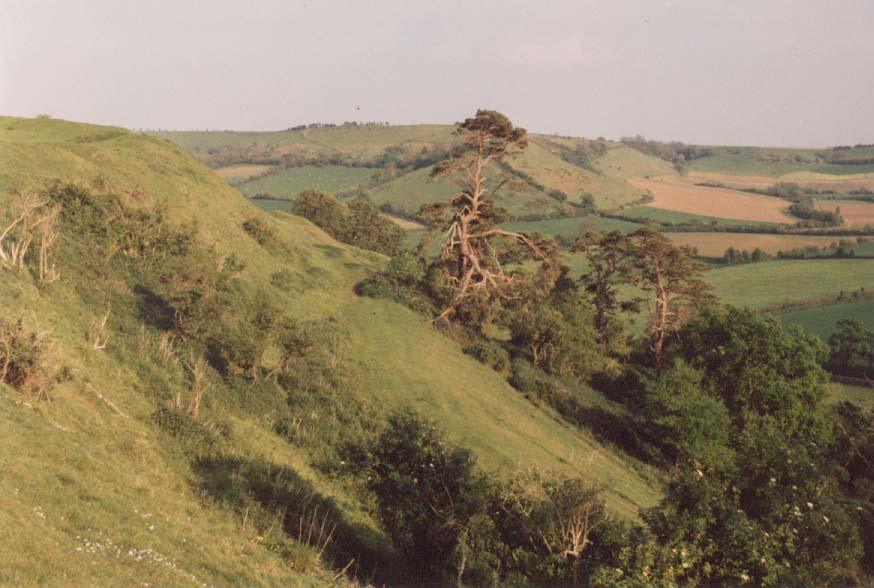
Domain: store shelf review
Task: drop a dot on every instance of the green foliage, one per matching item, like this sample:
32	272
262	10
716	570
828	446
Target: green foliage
21	364
559	334
430	495
490	353
264	235
688	425
674	152
403	280
851	349
736	257
854	452
552	527
196	433
323	210
771	515
359	224
371	230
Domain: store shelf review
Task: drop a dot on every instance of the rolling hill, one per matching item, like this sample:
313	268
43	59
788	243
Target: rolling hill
100	490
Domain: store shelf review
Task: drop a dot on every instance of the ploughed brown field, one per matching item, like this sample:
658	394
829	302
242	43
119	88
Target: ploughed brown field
715	244
242	170
855	213
806	180
680	194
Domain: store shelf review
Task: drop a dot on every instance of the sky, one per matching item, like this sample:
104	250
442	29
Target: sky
734	72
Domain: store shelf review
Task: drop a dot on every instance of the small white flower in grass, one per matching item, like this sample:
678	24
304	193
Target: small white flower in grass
810	505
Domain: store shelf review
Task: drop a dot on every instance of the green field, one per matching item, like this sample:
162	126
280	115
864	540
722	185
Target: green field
773	162
861	395
647	213
288	182
822	320
768	284
571	227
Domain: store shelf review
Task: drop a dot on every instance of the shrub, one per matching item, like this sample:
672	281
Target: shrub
182	425
432	499
490	353
20	363
283	280
259	230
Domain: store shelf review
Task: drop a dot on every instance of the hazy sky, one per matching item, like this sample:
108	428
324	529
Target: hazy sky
766	72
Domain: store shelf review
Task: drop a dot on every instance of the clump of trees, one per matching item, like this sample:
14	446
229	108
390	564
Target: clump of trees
646	259
752	500
676	152
805	208
453	521
359	223
738	257
851	350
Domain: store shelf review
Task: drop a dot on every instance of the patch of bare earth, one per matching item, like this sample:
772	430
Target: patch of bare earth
856	214
682	195
715	244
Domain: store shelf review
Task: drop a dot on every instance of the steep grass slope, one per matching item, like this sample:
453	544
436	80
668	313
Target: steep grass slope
407	193
95	492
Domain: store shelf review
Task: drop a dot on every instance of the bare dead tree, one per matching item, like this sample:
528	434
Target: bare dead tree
16	239
48	234
470	219
575	524
97	334
199	384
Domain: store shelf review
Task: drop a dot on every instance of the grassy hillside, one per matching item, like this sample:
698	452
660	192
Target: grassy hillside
772	162
99	493
622	161
287	183
361	141
546	171
410	191
609	192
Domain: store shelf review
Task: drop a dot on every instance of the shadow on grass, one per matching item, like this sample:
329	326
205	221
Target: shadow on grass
273	496
330	250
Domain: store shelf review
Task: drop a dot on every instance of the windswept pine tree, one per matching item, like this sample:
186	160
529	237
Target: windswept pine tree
474	243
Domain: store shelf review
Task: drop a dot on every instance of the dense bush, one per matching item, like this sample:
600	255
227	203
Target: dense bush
851	350
359	224
451	520
559	334
752	501
263	233
490	353
20	358
432	499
